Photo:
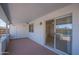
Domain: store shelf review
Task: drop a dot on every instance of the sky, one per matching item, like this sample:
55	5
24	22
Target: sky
2	23
69	26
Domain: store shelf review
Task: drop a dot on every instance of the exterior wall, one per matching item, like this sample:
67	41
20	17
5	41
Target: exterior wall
39	30
18	31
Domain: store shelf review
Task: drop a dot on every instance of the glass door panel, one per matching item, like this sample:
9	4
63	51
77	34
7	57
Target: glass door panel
64	34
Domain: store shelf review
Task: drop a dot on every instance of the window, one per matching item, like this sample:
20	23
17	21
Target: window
31	28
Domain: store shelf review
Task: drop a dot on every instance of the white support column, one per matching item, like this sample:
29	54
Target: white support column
75	40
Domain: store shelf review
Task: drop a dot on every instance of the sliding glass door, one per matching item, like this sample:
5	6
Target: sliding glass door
64	34
59	34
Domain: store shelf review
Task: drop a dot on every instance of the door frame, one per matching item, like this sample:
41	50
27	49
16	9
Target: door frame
46	28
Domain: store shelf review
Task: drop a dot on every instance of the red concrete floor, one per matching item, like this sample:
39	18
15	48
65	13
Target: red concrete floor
27	47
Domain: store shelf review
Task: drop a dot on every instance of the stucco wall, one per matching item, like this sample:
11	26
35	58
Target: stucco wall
18	31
